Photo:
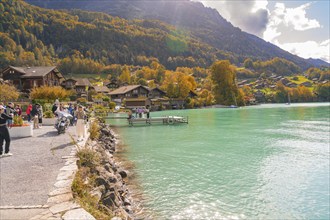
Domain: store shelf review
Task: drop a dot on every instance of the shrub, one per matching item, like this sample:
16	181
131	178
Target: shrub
82	101
112	105
8	92
87	158
18	120
49	93
48	114
94	130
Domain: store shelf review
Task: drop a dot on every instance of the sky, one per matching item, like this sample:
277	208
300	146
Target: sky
300	27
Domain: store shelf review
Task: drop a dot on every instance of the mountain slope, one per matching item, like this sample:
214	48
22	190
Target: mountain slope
203	23
35	33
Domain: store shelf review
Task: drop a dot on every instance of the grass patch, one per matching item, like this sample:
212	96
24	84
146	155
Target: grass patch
94	130
88	158
298	79
81	193
84	182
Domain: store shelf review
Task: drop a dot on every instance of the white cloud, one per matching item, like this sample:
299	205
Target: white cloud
294	18
309	49
251	16
297	18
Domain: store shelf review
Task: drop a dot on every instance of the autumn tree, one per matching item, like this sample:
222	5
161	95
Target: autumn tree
8	92
323	92
224	87
125	76
282	92
49	93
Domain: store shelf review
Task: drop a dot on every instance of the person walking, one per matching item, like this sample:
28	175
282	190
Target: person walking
35	117
40	114
10	111
4	133
18	110
80	114
28	112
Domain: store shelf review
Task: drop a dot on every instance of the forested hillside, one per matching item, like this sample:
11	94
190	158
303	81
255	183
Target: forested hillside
34	36
204	24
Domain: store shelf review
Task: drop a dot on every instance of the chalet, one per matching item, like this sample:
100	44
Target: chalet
134	103
26	78
307	84
113	84
156	93
102	90
80	85
132	91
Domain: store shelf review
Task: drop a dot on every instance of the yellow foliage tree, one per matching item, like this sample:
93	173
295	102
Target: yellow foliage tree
49	93
8	92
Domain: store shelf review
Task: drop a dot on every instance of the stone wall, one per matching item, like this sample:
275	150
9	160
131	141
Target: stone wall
110	184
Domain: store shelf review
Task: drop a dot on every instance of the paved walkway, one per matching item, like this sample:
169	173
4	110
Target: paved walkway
29	175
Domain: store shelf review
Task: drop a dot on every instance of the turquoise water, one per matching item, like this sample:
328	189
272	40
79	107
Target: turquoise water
262	162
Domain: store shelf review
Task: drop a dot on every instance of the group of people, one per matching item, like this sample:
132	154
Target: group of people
139	112
78	118
35	114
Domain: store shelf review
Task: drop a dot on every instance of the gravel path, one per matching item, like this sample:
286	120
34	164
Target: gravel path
28	176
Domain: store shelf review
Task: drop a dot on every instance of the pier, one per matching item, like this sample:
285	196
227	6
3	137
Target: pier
165	120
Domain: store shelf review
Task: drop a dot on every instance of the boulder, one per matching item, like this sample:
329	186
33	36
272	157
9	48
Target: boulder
123	173
109	199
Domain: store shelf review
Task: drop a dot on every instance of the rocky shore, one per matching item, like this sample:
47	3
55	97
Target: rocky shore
110	186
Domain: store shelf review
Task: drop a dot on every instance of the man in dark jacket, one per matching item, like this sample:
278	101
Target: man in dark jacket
4	133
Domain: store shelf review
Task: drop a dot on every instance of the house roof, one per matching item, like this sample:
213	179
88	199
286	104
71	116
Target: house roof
82	82
124	89
34	71
101	89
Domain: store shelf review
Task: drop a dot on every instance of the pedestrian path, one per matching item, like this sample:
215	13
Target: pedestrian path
32	174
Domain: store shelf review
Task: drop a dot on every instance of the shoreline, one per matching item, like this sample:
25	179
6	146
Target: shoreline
132	183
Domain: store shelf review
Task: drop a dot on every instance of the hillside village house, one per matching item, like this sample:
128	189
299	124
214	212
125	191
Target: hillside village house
26	78
81	85
136	95
113	84
102	90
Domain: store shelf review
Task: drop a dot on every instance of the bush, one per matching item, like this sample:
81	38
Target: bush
48	114
112	105
49	93
8	92
18	120
82	101
87	158
106	99
94	130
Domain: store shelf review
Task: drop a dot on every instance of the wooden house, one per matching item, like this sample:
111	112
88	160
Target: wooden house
156	93
80	85
26	78
132	91
113	84
102	90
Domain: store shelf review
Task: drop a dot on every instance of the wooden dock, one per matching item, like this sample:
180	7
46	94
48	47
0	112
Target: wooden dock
165	120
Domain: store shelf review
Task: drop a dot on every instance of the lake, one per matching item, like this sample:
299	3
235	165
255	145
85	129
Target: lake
262	162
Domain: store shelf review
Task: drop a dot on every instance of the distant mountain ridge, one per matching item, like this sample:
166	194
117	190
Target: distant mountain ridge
203	23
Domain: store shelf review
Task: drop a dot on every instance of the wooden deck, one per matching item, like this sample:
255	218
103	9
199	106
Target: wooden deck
166	120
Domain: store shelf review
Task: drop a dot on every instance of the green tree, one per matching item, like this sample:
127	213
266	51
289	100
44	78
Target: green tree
224	87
